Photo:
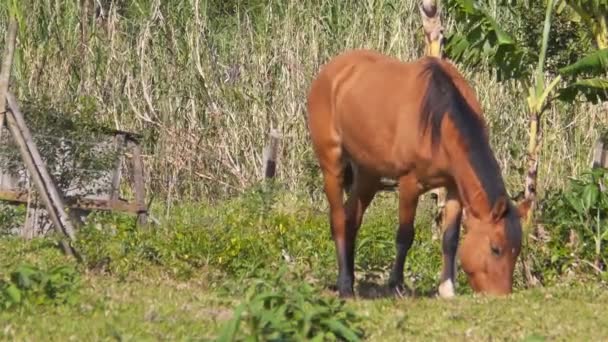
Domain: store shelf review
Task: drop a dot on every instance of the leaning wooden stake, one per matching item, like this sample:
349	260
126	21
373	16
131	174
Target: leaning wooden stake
7	63
46	188
29	152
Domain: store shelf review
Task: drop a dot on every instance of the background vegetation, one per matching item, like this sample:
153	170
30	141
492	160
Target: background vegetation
204	82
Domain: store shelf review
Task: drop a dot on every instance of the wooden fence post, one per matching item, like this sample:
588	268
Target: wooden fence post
600	157
269	156
139	186
119	143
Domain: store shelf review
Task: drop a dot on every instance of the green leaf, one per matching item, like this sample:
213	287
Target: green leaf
342	330
597	83
591	193
595	63
594	90
13	293
479	37
230	330
574	202
24	276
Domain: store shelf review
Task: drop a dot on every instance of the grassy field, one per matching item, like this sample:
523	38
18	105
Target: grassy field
189	278
156	308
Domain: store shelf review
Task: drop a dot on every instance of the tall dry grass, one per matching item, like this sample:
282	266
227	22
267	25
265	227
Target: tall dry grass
205	88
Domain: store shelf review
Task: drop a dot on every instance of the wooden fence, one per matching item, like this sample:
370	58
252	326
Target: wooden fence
54	201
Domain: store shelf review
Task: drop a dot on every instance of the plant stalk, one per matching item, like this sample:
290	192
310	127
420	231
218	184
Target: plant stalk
601	36
535	106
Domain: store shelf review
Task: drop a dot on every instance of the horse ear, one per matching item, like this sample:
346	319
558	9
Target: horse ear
523	207
500	208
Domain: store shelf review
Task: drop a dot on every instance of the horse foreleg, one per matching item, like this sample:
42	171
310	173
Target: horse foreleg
408	202
449	246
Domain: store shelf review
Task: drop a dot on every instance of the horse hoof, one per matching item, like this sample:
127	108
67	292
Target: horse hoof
446	289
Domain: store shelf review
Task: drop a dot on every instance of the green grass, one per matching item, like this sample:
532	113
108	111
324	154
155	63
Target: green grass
141	309
557	313
156	308
184	281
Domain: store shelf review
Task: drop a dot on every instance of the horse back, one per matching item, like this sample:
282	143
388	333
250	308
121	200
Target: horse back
368	104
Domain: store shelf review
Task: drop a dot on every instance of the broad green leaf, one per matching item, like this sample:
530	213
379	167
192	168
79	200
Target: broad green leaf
594	90
14	293
598	83
575	202
342	331
595	63
24	276
479	37
590	196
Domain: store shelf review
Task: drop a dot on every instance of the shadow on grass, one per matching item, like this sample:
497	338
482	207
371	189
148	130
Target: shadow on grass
372	289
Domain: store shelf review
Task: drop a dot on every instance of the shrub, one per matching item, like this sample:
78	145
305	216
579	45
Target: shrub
278	309
29	285
578	220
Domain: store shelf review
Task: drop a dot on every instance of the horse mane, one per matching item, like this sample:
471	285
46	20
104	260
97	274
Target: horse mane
443	97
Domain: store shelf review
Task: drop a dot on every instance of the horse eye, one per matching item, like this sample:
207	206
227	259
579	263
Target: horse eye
495	250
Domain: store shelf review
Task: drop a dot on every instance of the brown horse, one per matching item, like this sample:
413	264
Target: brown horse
373	116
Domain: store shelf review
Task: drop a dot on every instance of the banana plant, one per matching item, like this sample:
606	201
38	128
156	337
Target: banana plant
478	37
594	13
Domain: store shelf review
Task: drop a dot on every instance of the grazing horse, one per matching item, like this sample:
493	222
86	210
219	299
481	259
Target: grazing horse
373	116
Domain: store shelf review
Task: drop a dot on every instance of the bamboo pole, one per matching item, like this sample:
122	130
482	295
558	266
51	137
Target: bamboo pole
46	188
7	63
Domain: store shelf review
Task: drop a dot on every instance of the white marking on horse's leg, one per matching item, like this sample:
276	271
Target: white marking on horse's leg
446	289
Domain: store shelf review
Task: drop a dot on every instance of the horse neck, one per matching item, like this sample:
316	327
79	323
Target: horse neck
474	196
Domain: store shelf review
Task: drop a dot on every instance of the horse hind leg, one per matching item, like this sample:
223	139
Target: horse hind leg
364	189
449	246
332	169
345	219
